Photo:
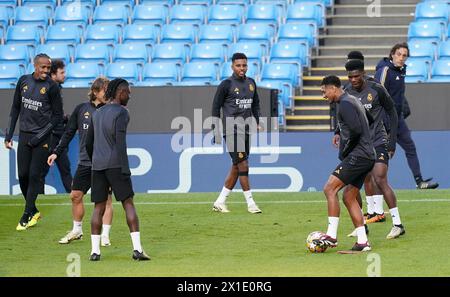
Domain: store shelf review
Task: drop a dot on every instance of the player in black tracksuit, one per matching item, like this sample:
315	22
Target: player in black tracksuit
357	153
238	98
80	121
107	148
37	100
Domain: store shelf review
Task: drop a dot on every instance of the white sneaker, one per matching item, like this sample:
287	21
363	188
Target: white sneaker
396	231
353	234
220	207
71	236
254	209
105	241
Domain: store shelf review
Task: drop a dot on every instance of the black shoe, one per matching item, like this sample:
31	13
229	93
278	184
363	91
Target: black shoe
428	179
364	247
423	185
140	256
94	257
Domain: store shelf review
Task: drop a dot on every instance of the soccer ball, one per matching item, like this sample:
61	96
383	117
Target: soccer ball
313	247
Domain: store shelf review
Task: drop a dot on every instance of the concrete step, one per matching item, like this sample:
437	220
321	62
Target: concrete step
340	71
339	61
382	2
313	110
363	19
370	40
298	120
308	128
334	50
368	10
368	30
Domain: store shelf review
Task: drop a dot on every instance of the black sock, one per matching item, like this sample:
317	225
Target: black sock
418	179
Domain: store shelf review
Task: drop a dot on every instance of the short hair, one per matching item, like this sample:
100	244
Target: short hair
40	55
355	55
98	84
57	64
396	47
331	80
354	65
113	86
238	56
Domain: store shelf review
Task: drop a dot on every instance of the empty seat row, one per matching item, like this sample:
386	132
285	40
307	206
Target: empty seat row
429	50
419	70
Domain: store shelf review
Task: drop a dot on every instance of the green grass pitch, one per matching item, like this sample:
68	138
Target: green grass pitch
185	238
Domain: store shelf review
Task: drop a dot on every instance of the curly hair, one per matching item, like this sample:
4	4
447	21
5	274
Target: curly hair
113	86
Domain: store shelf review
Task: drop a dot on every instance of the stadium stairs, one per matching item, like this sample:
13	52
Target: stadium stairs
348	28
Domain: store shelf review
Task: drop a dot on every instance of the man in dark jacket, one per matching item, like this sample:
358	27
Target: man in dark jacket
390	72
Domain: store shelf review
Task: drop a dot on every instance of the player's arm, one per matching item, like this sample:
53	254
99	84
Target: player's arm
54	95
350	117
219	99
256	109
14	114
389	107
121	140
381	76
90	139
69	133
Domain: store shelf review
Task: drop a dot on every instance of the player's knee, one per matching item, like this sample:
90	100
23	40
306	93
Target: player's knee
76	197
328	190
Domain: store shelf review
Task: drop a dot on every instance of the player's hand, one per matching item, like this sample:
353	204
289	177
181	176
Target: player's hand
391	154
336	140
51	159
260	128
9	144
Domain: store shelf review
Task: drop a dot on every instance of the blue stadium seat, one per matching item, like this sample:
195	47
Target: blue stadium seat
32	15
240	2
72	13
75	83
444	49
160	73
285	91
129	3
432	10
208	52
226	71
9	73
424	49
110	14
226	14
417	70
169	52
327	3
56	51
440	71
280	72
14	54
431	30
125	70
48	3
298	33
64	33
261	33
5	16
191	14
30	68
216	34
291	53
82	72
253	50
200	73
88	3
137	53
150	15
11	3
22	34
306	12
97	53
178	33
104	34
137	33
197	2
263	13
168	3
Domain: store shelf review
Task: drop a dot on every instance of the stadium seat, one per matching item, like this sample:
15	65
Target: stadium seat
14	54
160	73
56	51
82	72
5	16
137	53
417	70
440	71
226	71
137	33
291	53
208	52
168	3
21	34
298	33
216	34
30	68
424	49
71	83
261	33
9	73
327	3
432	10
253	50
285	91
263	13
129	3
190	14
104	34
7	85
64	33
150	15
226	14
178	33
444	49
125	70
169	52
72	13
92	53
306	12
240	2
430	30
199	73
43	3
280	72
108	14
32	15
196	2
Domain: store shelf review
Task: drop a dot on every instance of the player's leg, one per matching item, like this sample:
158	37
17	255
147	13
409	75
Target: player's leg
63	164
23	168
370	191
107	221
230	181
377	215
99	195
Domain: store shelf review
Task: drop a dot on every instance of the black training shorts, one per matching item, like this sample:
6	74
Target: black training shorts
238	147
82	179
353	170
382	154
103	180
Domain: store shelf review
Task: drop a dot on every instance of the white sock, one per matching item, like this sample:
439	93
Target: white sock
378	204
395	216
223	195
249	198
362	236
333	223
105	230
77	226
136	240
95	242
370	206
